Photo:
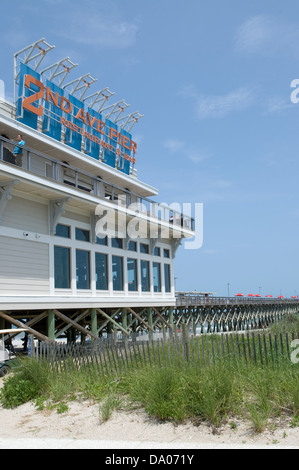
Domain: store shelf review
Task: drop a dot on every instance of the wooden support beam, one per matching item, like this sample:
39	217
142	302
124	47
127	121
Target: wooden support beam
74	324
108	319
76	319
112	321
141	326
36	319
23	325
162	318
31	322
140	319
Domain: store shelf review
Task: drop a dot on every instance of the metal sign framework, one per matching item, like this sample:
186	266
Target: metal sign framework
34	54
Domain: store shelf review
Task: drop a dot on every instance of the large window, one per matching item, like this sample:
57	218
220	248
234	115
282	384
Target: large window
117	273
145	279
83	235
157	251
157	277
144	248
132	274
101	272
82	269
116	242
63	231
102	241
62	267
167	277
132	246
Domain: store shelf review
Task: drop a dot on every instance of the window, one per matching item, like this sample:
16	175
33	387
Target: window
132	246
82	269
63	231
157	251
62	267
167	277
117	273
166	253
157	277
49	170
145	279
83	235
144	248
101	272
132	274
102	241
117	242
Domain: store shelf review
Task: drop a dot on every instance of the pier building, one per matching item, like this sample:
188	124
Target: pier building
84	244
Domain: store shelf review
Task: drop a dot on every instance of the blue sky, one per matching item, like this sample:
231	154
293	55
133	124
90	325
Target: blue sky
212	79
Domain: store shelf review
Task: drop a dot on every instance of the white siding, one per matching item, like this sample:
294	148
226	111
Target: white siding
77	217
24	267
25	214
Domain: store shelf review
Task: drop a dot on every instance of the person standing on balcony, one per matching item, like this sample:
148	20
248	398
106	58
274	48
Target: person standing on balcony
18	150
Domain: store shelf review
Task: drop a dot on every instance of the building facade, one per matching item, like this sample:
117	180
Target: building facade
78	229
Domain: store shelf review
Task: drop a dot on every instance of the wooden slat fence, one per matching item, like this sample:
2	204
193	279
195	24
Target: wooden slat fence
114	356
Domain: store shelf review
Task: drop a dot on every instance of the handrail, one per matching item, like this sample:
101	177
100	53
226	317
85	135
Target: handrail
144	204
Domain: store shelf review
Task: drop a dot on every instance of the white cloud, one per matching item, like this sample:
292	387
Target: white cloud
253	33
276	104
210	251
105	27
222	183
173	145
196	156
266	35
219	106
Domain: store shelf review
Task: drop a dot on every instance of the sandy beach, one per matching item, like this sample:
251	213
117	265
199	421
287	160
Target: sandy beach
81	427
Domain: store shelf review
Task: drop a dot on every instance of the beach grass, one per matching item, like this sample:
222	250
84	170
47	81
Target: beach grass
222	391
223	388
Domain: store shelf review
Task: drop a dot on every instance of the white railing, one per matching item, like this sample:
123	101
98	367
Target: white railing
61	172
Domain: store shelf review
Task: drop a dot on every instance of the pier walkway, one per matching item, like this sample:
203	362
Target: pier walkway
214	314
203	313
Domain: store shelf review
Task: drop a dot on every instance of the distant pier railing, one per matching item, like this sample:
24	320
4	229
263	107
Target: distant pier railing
215	314
186	299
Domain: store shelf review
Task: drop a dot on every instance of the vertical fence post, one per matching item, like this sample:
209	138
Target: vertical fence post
150	321
186	350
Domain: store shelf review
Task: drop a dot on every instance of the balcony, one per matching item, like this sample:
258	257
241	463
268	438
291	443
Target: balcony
65	174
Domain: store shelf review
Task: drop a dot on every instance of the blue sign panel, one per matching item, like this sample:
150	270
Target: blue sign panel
46	102
52	111
94	127
123	163
73	138
110	147
23	115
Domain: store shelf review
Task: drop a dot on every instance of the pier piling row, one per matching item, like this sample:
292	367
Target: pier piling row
217	314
